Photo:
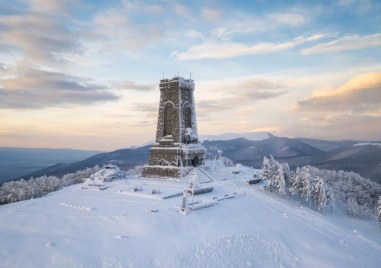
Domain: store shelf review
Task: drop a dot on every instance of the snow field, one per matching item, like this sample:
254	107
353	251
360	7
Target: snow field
75	227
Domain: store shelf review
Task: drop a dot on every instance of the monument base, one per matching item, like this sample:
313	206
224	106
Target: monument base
172	161
161	172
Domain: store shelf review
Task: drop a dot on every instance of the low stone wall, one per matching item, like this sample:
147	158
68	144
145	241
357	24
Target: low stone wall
161	172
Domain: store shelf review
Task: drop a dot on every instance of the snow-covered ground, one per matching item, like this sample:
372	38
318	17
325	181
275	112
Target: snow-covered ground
120	227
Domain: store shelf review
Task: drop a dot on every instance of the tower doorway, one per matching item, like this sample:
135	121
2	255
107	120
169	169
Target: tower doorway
195	161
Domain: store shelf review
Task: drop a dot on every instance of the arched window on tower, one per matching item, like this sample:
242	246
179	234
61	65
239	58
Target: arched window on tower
168	120
187	117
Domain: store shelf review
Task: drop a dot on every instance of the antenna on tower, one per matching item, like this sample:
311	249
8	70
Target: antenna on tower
190	75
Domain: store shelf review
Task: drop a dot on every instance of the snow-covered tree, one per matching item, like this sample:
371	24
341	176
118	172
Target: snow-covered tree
273	172
323	194
330	196
296	184
136	171
265	172
378	210
220	152
278	181
287	172
14	191
356	210
307	184
269	167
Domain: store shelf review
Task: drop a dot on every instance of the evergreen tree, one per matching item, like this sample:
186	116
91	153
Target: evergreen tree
378	210
279	181
286	171
273	172
330	196
266	169
296	185
323	195
307	184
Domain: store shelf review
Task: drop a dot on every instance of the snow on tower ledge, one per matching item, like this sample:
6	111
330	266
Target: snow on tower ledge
177	143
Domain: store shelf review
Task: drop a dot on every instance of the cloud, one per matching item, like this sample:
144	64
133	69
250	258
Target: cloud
257	89
195	35
118	27
288	18
212	106
239	94
361	94
347	43
215	50
45	6
271	129
35	89
181	10
234	94
338	126
150	109
40	34
239	23
211	14
254	84
351	110
3	68
130	85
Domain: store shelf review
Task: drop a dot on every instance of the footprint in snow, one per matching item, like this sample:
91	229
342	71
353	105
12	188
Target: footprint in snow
50	244
120	236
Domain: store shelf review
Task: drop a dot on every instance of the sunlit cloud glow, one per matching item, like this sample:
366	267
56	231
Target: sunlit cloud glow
85	74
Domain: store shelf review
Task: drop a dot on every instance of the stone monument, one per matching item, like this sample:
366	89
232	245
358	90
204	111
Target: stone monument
177	142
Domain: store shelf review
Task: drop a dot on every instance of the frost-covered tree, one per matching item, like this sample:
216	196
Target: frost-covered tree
378	210
273	172
307	184
266	172
287	172
330	196
136	171
295	183
269	167
14	191
356	210
323	194
278	181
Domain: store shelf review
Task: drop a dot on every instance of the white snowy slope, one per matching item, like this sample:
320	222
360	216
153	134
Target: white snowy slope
77	227
367	143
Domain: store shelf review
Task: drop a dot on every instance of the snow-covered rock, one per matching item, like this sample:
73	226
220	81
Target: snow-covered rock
107	174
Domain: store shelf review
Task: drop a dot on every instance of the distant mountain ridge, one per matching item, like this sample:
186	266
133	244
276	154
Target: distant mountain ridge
16	162
253	136
345	155
124	158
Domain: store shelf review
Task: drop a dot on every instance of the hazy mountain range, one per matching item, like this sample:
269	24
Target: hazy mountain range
17	162
248	149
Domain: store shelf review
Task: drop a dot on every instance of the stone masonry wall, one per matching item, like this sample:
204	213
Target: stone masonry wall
169	96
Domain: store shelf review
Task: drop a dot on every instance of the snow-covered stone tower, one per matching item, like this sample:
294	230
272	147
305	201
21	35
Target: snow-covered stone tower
177	142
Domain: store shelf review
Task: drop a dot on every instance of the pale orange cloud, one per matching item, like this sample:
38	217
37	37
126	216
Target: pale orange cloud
271	129
360	94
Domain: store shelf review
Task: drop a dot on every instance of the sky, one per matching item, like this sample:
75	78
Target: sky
85	74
